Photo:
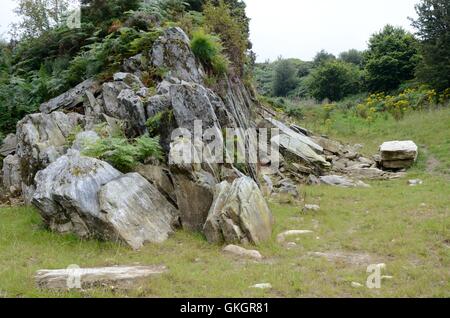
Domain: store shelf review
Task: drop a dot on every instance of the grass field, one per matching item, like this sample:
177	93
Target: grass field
407	228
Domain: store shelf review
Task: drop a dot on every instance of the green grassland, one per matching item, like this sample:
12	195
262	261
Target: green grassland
407	228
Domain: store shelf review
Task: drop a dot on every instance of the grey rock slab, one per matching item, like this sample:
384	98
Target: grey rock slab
121	277
71	98
136	210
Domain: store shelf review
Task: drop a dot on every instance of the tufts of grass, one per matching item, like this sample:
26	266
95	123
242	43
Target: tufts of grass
208	49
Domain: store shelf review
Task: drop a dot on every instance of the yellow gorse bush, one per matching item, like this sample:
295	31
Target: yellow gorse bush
408	100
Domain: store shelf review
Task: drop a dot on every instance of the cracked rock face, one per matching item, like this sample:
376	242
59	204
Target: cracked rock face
67	195
239	214
137	211
42	139
172	51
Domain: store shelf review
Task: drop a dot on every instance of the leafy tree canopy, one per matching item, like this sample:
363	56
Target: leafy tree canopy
391	59
334	80
433	28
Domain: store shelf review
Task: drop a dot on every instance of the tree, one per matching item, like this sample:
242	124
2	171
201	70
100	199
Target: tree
322	57
38	16
391	59
284	79
334	80
105	11
433	29
352	56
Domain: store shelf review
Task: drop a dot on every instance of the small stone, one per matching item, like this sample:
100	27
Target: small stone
356	285
239	251
291	245
311	207
415	182
262	286
281	238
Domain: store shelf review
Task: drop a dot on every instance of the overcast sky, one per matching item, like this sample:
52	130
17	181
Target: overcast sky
300	28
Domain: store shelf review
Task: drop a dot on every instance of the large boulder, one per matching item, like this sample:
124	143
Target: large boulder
136	211
194	194
239	214
71	99
91	199
398	154
42	138
172	52
12	179
67	195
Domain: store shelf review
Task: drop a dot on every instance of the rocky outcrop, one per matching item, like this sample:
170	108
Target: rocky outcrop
398	154
239	214
89	198
137	211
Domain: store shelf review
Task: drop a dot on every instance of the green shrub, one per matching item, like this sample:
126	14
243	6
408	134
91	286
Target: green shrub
73	135
334	80
148	147
208	49
295	112
122	154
